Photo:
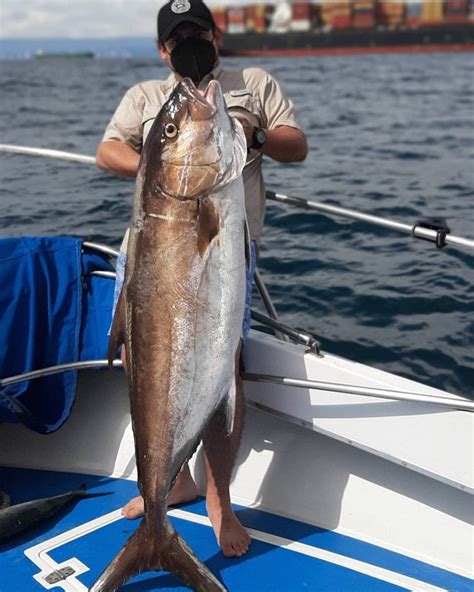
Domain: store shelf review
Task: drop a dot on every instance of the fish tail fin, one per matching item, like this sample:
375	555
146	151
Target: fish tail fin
117	330
154	550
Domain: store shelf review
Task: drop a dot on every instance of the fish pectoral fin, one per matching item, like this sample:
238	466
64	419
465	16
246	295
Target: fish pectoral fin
117	331
153	548
208	224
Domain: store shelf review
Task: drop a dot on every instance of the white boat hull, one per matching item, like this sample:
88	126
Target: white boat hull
346	473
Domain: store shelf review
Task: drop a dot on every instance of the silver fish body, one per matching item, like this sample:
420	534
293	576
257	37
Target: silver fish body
180	312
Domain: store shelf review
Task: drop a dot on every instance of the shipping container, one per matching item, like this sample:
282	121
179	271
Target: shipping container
363	14
304	16
220	18
236	20
338	14
413	11
390	13
456	11
432	12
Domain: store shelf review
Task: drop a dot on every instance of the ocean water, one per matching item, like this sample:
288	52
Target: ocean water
391	135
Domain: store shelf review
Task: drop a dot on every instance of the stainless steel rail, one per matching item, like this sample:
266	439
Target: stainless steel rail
303	338
267	302
60	154
101	248
458	404
413	229
455	404
56	370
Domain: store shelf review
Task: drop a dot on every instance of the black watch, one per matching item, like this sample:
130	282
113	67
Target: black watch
258	138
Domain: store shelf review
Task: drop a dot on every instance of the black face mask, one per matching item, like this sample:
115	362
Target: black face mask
193	58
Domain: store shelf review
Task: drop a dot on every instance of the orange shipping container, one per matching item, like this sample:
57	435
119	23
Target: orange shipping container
220	18
390	14
432	12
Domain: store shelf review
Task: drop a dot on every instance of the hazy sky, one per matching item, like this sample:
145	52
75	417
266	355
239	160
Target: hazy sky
82	18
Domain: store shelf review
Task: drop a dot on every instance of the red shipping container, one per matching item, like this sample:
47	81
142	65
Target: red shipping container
236	15
456	19
455	6
363	20
412	21
220	18
301	11
341	22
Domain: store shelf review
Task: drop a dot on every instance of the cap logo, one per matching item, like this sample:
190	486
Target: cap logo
180	6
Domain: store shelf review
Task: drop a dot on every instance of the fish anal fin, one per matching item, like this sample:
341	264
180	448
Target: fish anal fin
208	224
154	549
117	331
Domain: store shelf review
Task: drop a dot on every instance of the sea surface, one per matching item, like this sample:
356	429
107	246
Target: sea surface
391	135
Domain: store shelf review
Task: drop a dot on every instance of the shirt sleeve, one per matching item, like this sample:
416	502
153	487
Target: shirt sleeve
278	108
126	123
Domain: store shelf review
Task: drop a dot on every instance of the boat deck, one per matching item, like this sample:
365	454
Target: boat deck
286	555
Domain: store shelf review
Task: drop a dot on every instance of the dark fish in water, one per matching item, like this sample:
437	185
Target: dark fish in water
180	313
20	517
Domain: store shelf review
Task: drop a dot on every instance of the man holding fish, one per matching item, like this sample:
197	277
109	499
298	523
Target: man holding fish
188	41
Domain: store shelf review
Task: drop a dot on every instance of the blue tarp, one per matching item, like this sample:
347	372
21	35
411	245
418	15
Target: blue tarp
52	311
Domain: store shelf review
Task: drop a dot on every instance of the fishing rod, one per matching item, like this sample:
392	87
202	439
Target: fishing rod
432	230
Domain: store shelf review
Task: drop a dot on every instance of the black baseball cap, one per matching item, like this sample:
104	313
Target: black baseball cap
183	11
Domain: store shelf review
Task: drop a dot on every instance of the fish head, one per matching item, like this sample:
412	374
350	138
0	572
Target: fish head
194	147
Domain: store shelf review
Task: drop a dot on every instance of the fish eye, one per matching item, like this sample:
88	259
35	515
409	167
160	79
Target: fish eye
171	130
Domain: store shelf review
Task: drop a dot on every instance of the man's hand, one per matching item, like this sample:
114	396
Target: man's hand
248	129
283	144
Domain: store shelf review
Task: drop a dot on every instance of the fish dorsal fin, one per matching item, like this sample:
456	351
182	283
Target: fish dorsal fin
208	224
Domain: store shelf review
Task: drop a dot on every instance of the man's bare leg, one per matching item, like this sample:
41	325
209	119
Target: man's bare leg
183	490
220	453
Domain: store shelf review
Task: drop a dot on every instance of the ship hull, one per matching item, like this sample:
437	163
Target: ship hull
342	42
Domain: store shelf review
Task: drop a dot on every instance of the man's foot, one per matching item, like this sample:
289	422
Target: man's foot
231	536
184	490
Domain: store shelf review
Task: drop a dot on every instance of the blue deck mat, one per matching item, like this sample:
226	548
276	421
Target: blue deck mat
264	568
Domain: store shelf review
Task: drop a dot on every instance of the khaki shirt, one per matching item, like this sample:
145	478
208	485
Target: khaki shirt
251	93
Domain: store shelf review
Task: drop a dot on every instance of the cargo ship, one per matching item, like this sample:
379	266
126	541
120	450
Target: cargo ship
330	27
41	54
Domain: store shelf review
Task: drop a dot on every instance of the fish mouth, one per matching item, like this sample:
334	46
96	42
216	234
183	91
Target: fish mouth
203	102
211	94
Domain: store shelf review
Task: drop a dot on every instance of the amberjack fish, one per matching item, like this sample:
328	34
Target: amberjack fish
180	312
19	517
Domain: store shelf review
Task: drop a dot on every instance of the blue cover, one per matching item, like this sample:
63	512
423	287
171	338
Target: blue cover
52	312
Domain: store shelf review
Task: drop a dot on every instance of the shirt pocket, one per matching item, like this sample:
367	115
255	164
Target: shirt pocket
243	103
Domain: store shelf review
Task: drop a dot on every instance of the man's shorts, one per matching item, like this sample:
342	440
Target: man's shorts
250	272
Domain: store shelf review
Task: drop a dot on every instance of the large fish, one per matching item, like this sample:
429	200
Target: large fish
180	312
